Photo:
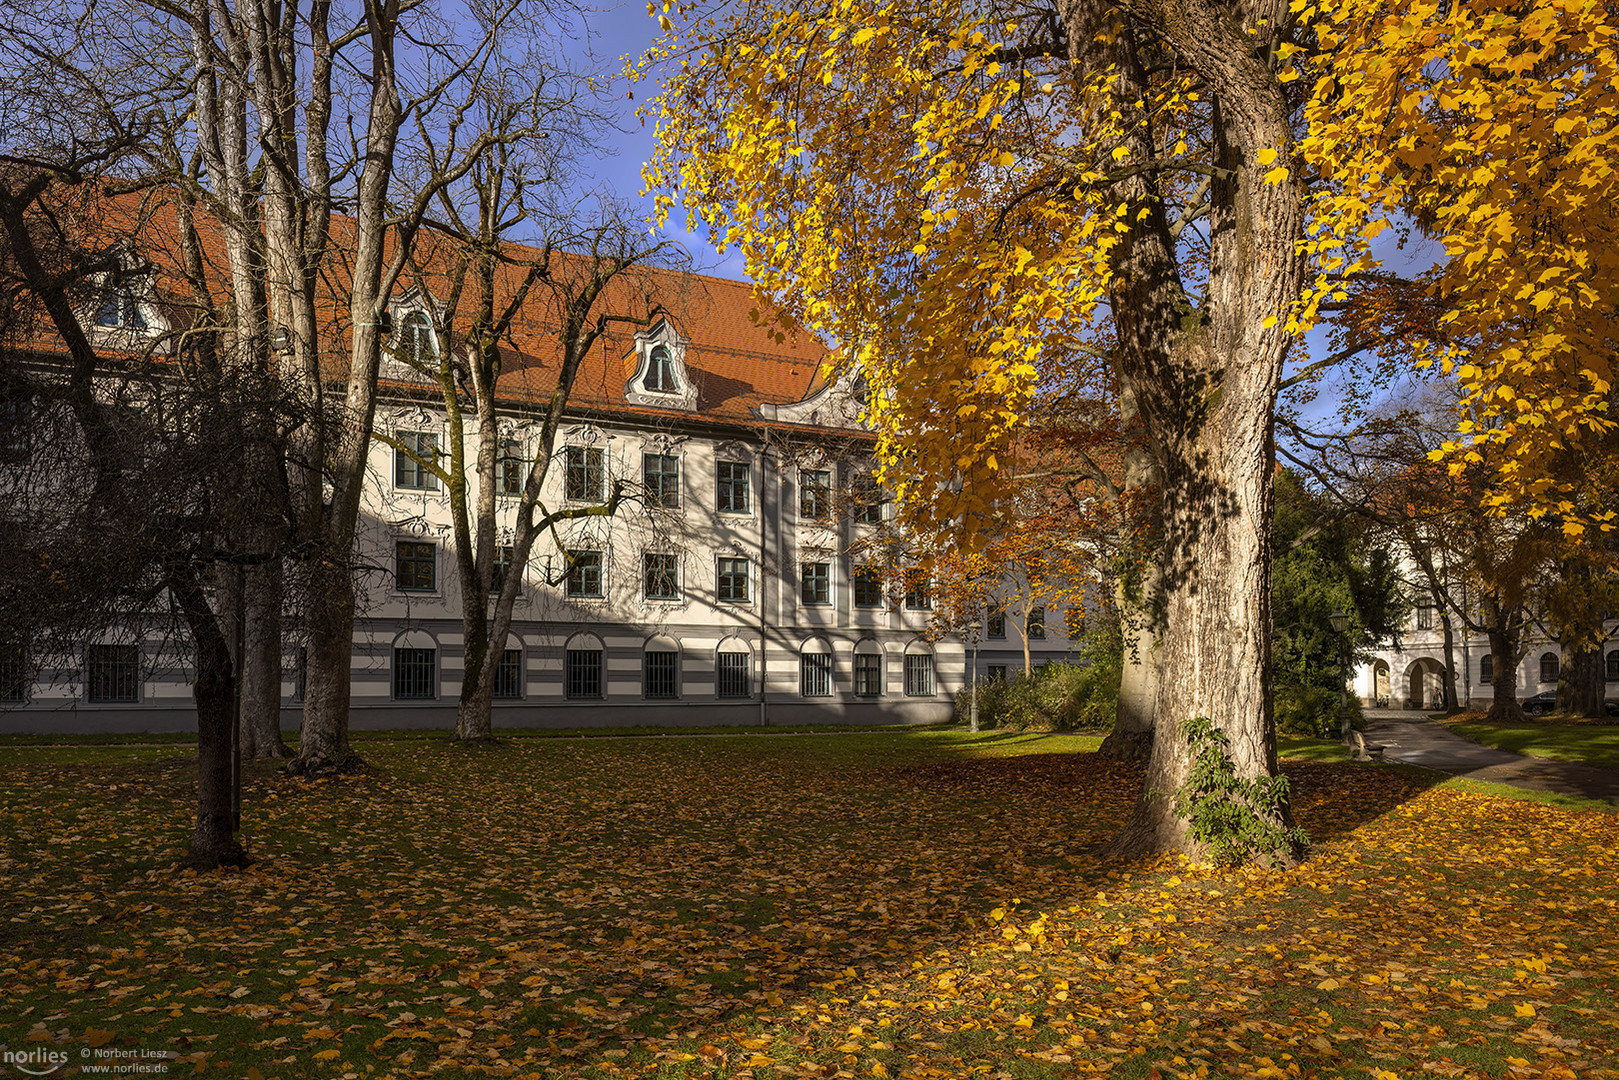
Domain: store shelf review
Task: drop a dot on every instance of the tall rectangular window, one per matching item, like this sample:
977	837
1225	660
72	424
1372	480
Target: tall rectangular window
733	496
815	583
868	501
815	494
868	587
509	674
917	597
732	581
918	675
662	675
1425	617
733	675
411	472
415	674
502	567
585	476
1035	624
585	574
660	574
995	622
13	676
662	475
415	566
815	674
582	674
868	675
510	473
1612	674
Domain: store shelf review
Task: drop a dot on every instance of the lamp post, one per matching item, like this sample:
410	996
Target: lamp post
1340	626
974	627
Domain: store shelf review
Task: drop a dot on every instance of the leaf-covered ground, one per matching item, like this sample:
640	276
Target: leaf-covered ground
856	905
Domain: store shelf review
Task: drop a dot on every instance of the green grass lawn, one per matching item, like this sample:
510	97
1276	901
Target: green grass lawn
1588	742
918	904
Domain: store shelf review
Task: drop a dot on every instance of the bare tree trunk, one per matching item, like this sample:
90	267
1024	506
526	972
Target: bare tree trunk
261	663
1504	680
1581	682
213	841
1447	677
1131	737
323	744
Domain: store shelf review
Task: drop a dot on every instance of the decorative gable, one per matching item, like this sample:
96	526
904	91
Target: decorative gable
660	379
123	312
837	404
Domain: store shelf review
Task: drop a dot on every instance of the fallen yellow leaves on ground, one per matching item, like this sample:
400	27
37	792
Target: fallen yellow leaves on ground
903	905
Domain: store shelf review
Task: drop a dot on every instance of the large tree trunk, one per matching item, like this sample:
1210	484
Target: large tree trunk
1447	677
261	663
1206	377
474	713
1581	683
213	841
1131	737
323	744
1504	678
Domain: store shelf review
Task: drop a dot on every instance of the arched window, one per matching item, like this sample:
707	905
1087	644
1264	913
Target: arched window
415	666
868	669
1613	666
918	670
660	669
1548	667
733	669
660	371
1486	669
509	670
815	668
417	342
582	667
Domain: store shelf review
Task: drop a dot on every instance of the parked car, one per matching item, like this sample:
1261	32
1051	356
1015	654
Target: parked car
1541	704
1546	701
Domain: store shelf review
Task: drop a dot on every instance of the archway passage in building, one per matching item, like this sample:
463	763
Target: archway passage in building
1424	684
1382	691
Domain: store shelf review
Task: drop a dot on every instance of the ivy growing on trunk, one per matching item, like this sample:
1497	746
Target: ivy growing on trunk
1234	819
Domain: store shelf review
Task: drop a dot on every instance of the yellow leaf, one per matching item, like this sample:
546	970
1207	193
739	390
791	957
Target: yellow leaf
863	35
1267	155
1524	1010
1327	984
1277	175
327	1055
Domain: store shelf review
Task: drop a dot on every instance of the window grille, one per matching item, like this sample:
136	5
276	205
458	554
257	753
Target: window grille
918	675
733	675
584	673
1486	670
868	675
415	674
13	675
509	674
815	674
1612	674
1548	667
662	673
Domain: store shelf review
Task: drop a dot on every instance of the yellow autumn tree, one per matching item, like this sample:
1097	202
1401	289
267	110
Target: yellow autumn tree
955	194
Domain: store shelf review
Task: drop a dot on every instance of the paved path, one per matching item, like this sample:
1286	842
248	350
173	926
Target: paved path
1412	738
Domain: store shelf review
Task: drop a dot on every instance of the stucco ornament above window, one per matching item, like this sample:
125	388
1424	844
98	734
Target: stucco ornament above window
660	379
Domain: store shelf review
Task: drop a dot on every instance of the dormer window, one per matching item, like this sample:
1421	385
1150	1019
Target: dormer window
417	344
660	371
121	308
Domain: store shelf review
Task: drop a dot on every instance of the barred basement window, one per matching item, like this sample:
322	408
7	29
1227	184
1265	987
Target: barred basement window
732	495
1548	667
415	674
583	674
918	675
1613	666
585	476
662	675
815	674
509	674
114	673
733	675
868	675
13	675
1486	670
